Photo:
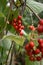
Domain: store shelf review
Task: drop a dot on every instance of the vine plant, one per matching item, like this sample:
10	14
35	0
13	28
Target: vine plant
21	32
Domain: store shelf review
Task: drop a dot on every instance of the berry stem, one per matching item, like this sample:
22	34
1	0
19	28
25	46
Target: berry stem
33	12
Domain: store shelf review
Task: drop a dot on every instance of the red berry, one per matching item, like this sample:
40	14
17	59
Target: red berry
19	29
16	27
14	20
14	24
37	51
19	25
41	49
41	22
41	45
32	27
31	58
40	41
31	44
27	48
19	17
22	27
40	28
21	33
38	58
19	21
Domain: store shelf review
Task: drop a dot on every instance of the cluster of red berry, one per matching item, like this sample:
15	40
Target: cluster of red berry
17	24
35	53
40	26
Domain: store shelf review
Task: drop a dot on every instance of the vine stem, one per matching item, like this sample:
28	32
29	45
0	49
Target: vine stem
33	12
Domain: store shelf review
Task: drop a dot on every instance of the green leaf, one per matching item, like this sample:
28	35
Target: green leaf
3	4
35	6
6	43
1	14
19	40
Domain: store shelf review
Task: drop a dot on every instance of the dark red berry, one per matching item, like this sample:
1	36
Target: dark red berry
41	22
31	58
19	17
38	58
14	20
41	49
37	51
19	21
32	27
40	41
27	48
16	27
40	28
22	27
31	44
19	29
21	33
19	25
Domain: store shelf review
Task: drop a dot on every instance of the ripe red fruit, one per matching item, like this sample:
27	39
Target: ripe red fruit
41	45
21	33
31	44
16	27
38	58
31	58
41	22
32	27
40	28
19	25
19	29
40	41
37	51
22	27
14	20
27	48
41	49
19	21
19	17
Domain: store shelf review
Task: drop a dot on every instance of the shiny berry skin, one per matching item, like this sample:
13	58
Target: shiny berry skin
41	22
19	21
31	58
38	58
27	48
32	27
19	29
19	17
40	28
40	41
37	51
22	27
41	45
14	24
16	27
21	33
31	44
19	25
